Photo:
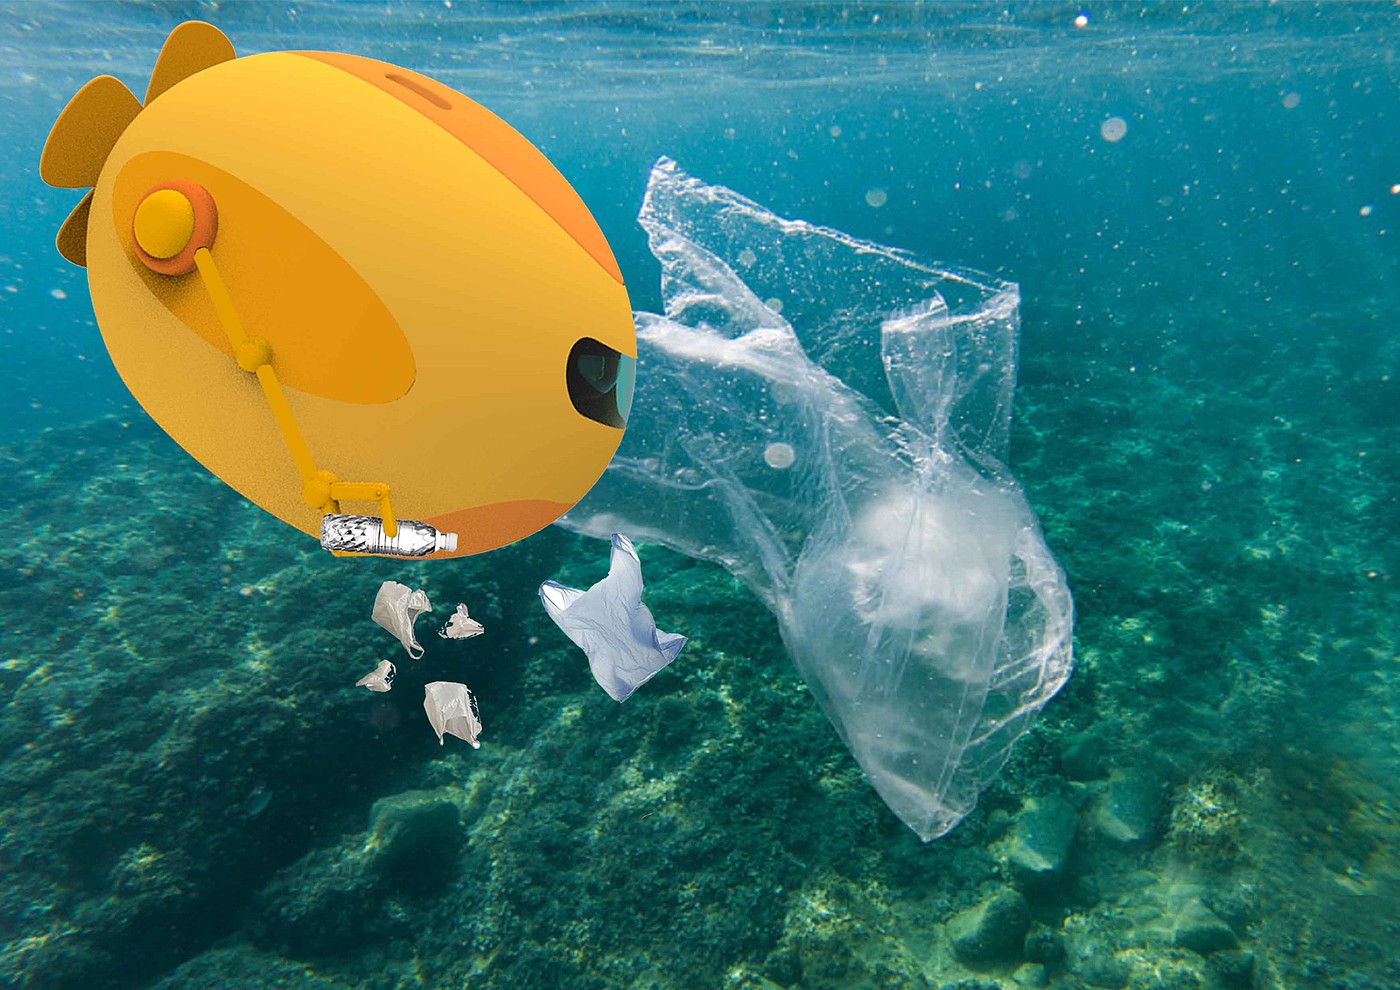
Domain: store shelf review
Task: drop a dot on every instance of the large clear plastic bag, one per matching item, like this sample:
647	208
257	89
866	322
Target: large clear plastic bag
828	419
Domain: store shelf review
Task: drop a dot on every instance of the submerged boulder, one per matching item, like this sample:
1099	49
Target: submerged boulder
1200	929
1129	806
991	931
1040	841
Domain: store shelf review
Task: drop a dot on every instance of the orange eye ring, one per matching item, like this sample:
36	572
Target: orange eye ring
162	226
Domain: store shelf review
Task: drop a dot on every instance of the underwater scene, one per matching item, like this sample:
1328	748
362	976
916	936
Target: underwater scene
994	586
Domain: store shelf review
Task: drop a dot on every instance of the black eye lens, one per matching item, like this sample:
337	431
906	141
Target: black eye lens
598	370
592	376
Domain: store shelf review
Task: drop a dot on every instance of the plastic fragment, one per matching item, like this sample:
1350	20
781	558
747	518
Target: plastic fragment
461	626
396	606
452	711
380	679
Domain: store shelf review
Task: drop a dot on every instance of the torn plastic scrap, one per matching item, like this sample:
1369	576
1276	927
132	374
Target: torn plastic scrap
452	711
396	606
461	626
380	679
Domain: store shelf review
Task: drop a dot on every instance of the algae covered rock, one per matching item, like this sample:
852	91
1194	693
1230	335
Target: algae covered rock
1128	807
991	931
1200	929
1040	841
321	903
1103	970
1031	975
1043	945
413	840
334	897
1235	967
244	969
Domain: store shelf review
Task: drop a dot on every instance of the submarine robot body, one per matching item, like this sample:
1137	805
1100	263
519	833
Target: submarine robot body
441	310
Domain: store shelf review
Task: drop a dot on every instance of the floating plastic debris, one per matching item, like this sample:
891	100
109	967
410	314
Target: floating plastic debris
461	626
365	534
452	711
396	606
610	624
909	576
380	679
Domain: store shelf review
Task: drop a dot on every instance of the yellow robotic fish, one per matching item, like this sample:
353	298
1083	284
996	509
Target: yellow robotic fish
333	257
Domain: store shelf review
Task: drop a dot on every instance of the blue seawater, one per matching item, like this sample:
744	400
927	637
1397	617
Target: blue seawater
1201	205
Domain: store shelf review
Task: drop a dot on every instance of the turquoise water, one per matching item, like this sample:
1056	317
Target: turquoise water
1206	422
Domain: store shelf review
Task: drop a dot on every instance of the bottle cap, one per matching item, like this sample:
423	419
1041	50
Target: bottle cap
447	541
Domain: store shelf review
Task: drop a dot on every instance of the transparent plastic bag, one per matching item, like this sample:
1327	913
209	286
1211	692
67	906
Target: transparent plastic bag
827	418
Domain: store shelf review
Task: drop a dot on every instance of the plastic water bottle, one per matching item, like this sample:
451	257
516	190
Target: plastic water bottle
365	534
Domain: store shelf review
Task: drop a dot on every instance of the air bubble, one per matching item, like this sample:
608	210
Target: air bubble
779	456
1113	129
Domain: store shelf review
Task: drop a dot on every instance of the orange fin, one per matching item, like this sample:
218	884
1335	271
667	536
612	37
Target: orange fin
191	47
85	132
72	236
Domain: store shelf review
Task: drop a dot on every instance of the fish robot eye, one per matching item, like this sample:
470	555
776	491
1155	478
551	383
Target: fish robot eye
600	382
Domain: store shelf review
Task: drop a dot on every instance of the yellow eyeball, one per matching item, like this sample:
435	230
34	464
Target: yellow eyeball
164	223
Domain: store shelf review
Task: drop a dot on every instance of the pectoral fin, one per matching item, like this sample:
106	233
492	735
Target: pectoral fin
72	236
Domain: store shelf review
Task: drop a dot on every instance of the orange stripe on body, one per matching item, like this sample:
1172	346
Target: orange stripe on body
490	137
486	527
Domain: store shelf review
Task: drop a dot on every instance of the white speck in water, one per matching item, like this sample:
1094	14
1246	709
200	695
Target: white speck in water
1395	189
58	293
776	305
1291	100
779	456
1113	129
1081	21
747	257
1367	210
876	197
835	130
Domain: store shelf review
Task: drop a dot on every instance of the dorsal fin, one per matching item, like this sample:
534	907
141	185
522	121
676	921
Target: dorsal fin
72	236
85	132
191	47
